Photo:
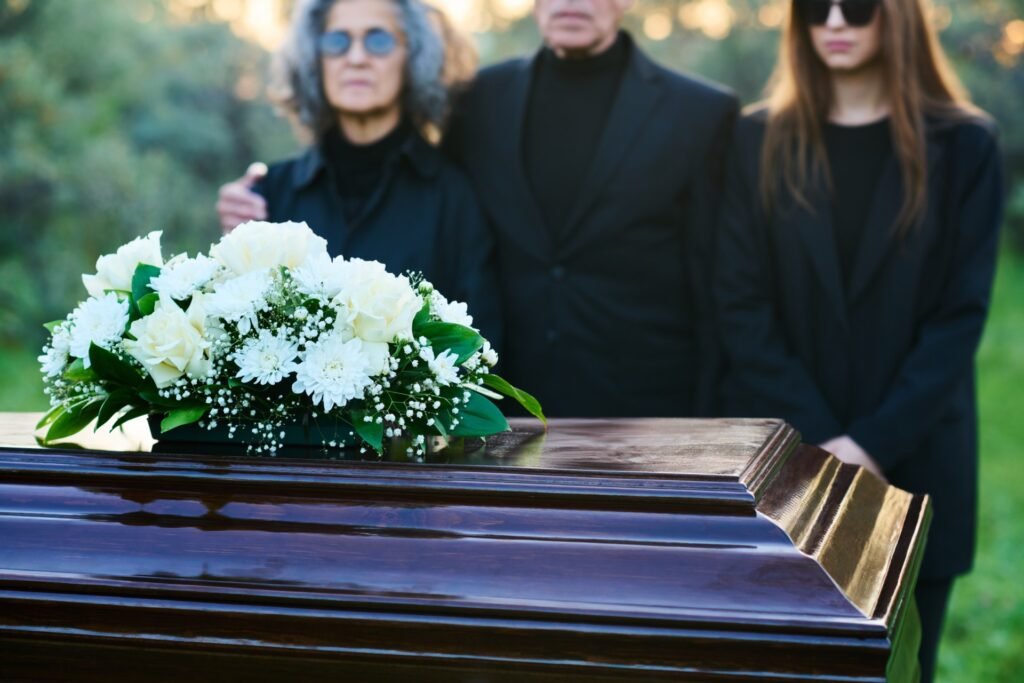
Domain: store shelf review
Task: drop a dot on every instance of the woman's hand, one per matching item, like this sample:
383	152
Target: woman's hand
847	450
237	203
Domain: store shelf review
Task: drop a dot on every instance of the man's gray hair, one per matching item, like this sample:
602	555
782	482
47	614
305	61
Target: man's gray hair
296	83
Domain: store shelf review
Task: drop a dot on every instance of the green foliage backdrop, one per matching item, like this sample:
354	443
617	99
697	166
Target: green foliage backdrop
118	117
112	127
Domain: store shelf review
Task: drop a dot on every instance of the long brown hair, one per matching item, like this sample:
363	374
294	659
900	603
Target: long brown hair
919	82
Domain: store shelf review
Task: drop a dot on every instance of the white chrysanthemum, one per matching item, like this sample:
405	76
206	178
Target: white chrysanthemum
181	277
443	366
266	359
115	271
379	306
333	372
55	356
450	311
488	354
321	277
170	342
98	320
257	245
239	299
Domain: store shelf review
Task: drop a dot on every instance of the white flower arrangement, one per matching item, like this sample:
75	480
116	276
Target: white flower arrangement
265	332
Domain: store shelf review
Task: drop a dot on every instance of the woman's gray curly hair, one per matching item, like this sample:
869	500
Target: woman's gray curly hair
438	58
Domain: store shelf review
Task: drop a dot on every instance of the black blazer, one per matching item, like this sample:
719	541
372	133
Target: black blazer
607	321
890	362
423	217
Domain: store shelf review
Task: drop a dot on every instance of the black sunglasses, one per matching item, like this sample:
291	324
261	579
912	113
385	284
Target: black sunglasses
377	42
856	13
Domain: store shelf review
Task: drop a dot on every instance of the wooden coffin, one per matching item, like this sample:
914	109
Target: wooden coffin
649	549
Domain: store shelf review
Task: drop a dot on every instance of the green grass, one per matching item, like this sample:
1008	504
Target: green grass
984	636
22	386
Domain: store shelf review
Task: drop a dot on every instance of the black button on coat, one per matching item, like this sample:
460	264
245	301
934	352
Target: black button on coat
423	217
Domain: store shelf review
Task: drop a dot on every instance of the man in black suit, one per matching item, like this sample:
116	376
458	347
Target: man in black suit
599	171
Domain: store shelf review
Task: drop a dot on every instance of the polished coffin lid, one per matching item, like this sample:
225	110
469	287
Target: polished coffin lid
608	549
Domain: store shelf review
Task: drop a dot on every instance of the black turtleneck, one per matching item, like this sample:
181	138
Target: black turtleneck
357	170
567	111
856	157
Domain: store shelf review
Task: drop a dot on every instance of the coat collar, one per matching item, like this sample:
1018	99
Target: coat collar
533	233
422	157
878	240
814	225
635	100
880	237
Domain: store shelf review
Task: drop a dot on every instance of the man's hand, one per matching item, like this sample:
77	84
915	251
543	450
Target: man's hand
847	450
237	203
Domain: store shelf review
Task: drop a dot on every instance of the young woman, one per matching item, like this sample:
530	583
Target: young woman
365	79
856	257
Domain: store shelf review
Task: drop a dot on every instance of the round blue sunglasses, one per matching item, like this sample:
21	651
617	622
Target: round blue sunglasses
377	42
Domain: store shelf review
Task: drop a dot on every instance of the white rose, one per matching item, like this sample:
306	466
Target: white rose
257	245
170	342
115	271
379	306
379	354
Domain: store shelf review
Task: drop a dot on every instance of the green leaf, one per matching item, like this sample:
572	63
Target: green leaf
140	281
479	417
147	303
370	432
73	421
111	368
182	416
421	319
459	339
50	416
77	372
113	403
442	419
52	325
524	399
130	415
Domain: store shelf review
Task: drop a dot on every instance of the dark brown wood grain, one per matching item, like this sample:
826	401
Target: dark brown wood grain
601	550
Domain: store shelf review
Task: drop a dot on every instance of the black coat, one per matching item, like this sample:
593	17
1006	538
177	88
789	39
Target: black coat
609	320
891	361
423	217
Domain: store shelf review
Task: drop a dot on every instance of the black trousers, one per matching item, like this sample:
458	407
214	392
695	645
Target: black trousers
932	596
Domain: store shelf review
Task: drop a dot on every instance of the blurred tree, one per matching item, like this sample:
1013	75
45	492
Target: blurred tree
117	121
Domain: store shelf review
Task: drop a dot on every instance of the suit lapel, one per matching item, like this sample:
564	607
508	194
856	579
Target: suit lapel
534	233
637	96
879	231
817	233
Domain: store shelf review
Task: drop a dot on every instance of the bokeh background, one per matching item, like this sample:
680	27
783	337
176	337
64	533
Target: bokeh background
118	117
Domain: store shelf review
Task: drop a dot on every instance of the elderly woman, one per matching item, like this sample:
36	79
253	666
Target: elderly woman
366	79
